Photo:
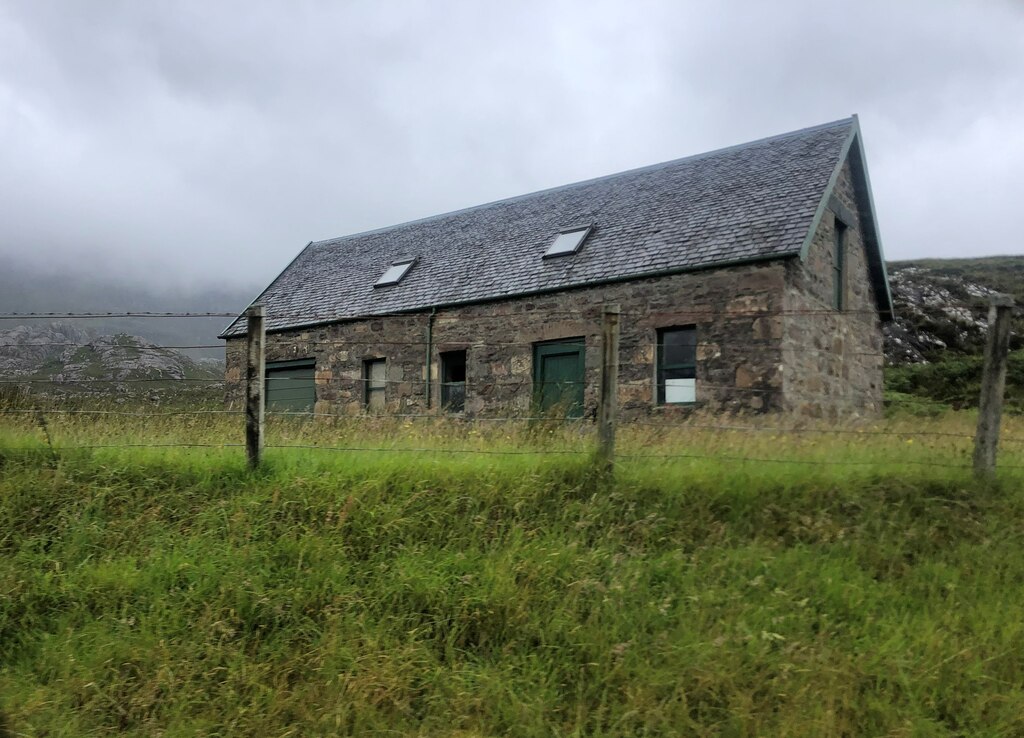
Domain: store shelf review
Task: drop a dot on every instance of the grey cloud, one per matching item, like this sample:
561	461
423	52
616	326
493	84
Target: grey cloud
171	139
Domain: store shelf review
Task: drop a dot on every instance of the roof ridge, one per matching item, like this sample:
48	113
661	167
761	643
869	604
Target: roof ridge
851	120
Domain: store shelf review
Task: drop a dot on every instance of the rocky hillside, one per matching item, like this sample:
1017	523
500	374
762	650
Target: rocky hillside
934	347
942	306
27	290
64	359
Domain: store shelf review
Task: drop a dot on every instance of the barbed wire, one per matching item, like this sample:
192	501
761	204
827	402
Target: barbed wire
451	345
95	344
516	452
132	380
77	447
484	386
440	450
121	413
446	418
588	316
812	462
592	312
115	314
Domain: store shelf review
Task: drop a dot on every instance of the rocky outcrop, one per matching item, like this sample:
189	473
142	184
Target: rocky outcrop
939	312
61	358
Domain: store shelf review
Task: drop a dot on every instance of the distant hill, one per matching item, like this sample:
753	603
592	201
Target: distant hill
24	290
1003	274
63	360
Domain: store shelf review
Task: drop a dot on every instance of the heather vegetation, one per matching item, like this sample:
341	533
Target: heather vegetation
858	583
953	381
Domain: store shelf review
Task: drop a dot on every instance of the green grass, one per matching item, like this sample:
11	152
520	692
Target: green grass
954	381
172	592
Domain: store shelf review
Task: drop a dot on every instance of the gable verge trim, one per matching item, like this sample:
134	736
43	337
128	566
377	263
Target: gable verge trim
876	260
823	203
227	332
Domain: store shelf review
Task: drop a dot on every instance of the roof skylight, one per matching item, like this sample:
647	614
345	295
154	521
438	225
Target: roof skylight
567	242
395	272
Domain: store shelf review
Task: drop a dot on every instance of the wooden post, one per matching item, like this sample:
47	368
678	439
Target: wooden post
608	399
993	384
255	373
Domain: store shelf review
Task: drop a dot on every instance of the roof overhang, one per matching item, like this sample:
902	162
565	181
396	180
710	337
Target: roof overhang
231	332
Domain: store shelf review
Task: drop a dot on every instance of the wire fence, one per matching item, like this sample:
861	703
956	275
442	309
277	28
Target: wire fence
512	393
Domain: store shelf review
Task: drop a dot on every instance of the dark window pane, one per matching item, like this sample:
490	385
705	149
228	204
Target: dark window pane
453	366
453	381
682	372
453	396
679	346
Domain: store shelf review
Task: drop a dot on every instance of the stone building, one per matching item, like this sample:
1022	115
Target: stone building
749	279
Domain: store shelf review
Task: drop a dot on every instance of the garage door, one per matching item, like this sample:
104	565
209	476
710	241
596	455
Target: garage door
290	386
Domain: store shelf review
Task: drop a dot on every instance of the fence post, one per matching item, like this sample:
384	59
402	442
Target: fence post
254	385
993	384
608	399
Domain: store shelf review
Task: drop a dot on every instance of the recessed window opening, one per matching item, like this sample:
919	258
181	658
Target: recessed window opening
453	381
839	266
374	383
677	365
290	386
395	273
567	242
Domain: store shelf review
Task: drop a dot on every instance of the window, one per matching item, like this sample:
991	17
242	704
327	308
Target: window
677	365
567	242
291	386
374	381
453	381
395	272
839	266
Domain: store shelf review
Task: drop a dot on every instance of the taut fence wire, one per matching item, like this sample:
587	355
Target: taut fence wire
63	399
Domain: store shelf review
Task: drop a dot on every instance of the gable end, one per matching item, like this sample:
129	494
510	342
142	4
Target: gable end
853	151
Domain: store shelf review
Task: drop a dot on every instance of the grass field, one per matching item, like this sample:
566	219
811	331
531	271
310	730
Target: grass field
723	583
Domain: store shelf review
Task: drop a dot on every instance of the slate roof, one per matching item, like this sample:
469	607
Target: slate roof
748	202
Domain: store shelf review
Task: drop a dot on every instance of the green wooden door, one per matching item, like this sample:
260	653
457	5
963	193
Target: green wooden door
558	377
290	386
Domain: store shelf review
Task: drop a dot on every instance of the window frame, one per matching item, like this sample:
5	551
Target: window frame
399	276
585	230
839	233
661	366
446	383
369	391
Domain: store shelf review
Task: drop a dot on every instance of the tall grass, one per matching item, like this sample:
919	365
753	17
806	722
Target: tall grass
164	591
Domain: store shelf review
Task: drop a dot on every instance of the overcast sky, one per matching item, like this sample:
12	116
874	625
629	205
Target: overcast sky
209	141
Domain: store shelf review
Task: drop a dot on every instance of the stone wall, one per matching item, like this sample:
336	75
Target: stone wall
739	360
833	359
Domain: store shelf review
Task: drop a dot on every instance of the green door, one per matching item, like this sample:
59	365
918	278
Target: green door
558	377
290	386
